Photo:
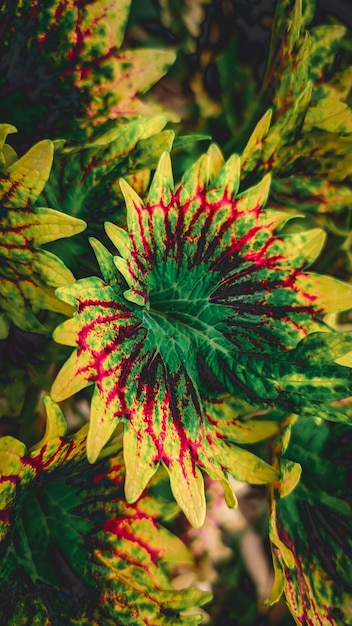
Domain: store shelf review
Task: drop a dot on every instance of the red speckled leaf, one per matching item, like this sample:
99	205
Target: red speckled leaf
19	469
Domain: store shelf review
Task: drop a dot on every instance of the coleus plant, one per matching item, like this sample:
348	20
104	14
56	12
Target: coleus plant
198	337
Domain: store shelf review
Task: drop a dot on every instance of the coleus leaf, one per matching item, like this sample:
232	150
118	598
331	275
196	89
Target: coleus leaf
279	30
329	114
310	524
19	468
72	550
64	61
325	44
28	274
205	299
314	194
287	85
304	139
83	180
287	69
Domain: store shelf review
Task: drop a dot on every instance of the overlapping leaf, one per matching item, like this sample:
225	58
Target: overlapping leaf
205	299
72	550
28	274
306	140
311	524
19	468
64	61
83	181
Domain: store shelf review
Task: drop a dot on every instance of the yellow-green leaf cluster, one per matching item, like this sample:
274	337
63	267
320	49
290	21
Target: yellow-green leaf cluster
29	275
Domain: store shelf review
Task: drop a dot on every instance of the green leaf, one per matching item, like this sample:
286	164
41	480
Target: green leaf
28	274
329	114
75	551
313	195
311	524
19	469
207	299
325	159
84	181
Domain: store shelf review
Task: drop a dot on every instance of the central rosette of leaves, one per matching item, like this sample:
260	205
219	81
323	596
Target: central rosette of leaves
205	299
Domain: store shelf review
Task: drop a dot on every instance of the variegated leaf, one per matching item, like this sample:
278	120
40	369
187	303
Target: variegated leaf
310	525
19	468
325	44
304	140
83	181
72	550
63	60
287	70
28	274
205	298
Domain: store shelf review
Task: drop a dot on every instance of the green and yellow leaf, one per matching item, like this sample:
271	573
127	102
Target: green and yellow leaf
72	550
306	145
28	274
206	299
310	527
83	181
89	79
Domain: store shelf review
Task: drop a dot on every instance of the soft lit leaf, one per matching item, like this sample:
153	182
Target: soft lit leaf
207	299
83	181
325	44
313	195
19	468
306	148
310	524
28	274
254	148
65	62
287	70
75	552
329	114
